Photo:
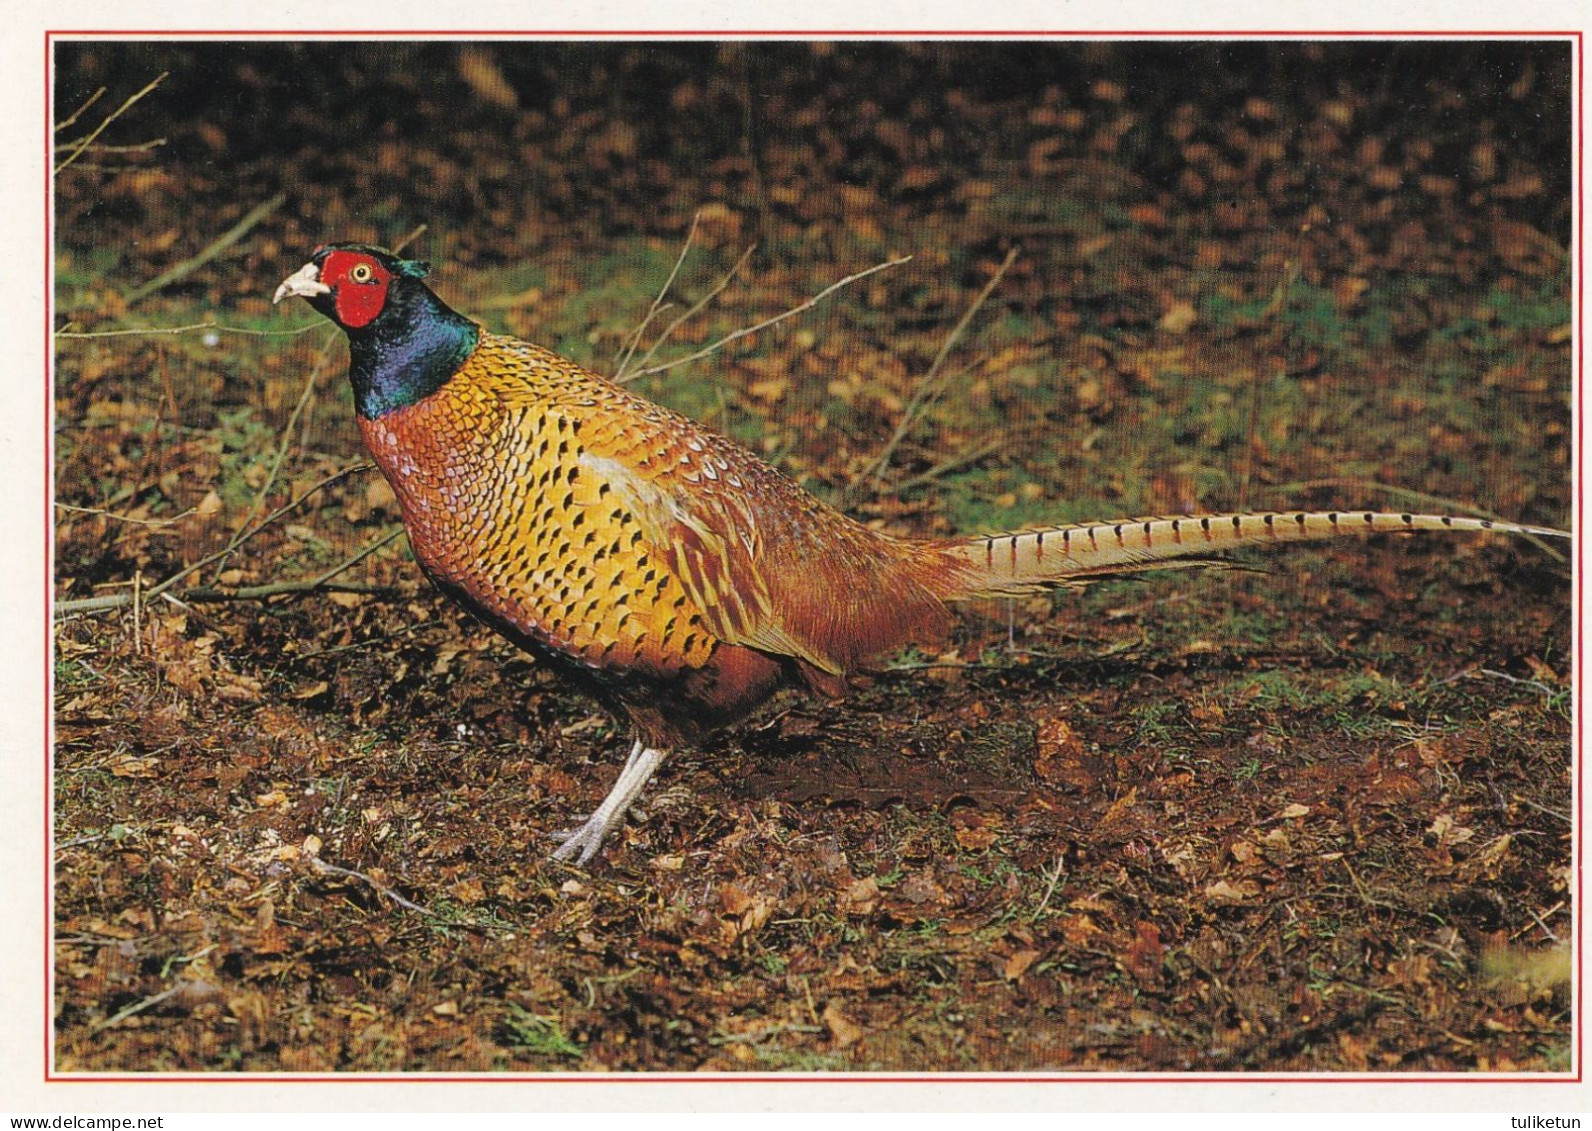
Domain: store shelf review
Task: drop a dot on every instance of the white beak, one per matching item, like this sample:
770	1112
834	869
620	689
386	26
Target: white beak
304	282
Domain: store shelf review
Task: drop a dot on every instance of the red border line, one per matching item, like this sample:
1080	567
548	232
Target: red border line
49	564
1578	169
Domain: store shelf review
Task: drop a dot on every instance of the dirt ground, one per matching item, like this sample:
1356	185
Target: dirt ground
1312	815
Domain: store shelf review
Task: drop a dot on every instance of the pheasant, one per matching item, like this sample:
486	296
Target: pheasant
669	572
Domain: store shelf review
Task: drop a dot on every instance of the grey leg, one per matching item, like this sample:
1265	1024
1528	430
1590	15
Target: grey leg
582	844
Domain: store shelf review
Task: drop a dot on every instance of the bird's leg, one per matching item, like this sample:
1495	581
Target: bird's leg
582	844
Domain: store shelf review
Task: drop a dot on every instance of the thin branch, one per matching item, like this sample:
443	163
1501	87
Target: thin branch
1441	501
118	600
188	329
747	331
1050	888
945	467
1362	891
929	389
1535	684
414	233
357	645
135	147
1530	804
155	522
392	536
231	236
216	594
694	309
137	1007
629	349
302	585
376	885
80	111
78	148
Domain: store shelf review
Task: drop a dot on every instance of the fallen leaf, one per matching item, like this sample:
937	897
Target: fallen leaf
843	1029
468	891
1017	965
1224	892
861	897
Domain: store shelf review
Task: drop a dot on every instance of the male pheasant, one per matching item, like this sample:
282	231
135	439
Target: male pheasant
673	574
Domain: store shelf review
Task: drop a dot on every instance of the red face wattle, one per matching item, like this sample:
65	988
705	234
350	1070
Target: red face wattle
359	286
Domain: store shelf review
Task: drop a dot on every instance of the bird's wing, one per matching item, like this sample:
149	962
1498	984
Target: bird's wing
708	535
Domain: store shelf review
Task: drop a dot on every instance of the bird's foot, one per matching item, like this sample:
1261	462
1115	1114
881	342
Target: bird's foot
580	845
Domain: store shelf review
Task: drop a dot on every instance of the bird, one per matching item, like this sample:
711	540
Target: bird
668	572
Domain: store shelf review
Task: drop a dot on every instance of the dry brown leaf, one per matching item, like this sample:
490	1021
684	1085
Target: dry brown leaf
1017	965
1120	806
861	897
468	891
1224	892
843	1029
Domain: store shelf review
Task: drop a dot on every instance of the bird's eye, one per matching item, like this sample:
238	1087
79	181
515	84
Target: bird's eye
361	273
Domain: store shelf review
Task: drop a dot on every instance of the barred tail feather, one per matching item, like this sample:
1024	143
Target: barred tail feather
1006	564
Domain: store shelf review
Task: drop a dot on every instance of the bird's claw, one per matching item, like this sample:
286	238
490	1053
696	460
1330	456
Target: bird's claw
577	846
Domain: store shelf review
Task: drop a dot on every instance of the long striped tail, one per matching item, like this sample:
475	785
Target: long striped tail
1006	564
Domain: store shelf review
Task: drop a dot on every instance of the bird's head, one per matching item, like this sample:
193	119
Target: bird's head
353	284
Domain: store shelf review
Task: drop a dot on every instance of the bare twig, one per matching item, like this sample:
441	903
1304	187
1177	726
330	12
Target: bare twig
138	1007
155	522
414	233
1535	684
202	593
376	885
231	236
342	567
747	331
945	467
138	622
1530	804
221	594
80	111
135	331
757	1036
1363	892
135	147
80	147
372	643
1050	888
690	313
628	350
929	388
119	600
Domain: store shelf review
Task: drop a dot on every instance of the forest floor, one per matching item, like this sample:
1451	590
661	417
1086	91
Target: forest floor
1310	815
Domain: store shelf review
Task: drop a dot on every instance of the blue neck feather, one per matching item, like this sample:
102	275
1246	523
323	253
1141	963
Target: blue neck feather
409	352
